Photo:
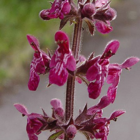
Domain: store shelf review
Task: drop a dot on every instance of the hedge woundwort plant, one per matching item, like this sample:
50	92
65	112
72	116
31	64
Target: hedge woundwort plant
67	65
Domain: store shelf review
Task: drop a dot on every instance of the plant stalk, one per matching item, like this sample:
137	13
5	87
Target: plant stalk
71	79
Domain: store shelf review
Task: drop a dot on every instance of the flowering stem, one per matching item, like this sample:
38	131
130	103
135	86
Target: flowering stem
71	79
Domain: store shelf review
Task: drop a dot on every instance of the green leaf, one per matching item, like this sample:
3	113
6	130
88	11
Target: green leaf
55	135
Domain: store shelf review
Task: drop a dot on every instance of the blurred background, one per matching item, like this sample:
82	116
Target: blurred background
19	18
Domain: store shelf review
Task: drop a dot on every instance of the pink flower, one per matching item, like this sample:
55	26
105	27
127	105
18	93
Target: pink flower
33	124
38	65
57	106
98	13
88	10
104	102
104	16
103	132
103	28
102	125
58	10
61	61
92	121
94	89
99	69
114	73
116	114
71	131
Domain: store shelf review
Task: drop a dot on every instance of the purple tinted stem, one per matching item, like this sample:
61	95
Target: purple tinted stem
71	79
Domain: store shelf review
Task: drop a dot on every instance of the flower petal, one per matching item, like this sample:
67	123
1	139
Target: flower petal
103	27
130	62
111	49
38	63
53	62
66	8
59	111
71	131
71	63
78	79
94	90
21	108
59	9
33	42
56	103
58	75
111	93
93	72
33	80
105	101
32	137
116	114
62	40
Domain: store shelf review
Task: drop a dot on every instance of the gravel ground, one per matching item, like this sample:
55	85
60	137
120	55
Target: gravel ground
126	30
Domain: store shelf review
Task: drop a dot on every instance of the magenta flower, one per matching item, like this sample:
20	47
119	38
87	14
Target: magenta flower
57	107
59	9
97	72
116	114
98	69
93	124
98	13
104	16
102	27
96	109
102	124
71	131
88	10
39	64
114	73
33	123
61	61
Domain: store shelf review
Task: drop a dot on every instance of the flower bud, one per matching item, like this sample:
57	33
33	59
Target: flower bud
110	14
88	10
44	14
59	111
71	131
56	103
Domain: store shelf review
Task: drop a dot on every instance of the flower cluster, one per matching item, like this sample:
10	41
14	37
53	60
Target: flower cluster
96	70
97	13
58	65
58	10
90	122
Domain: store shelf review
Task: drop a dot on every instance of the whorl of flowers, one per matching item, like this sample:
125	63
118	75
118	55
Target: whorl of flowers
93	71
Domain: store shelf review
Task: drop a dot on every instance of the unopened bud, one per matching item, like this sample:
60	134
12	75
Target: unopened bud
88	10
71	131
60	112
56	103
44	14
110	14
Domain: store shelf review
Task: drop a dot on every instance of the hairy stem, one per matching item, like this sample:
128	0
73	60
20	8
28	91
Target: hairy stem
71	79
